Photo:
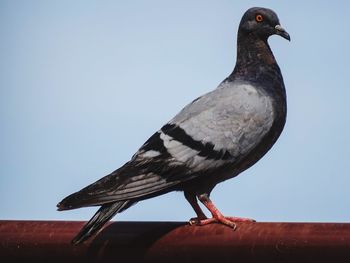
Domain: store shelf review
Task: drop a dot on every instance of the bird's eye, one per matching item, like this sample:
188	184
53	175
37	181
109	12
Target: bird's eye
259	18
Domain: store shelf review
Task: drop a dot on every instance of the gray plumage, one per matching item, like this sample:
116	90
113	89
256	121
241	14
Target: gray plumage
212	139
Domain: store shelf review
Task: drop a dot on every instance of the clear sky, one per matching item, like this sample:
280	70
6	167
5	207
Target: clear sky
84	83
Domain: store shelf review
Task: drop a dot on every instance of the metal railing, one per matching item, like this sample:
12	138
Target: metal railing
49	241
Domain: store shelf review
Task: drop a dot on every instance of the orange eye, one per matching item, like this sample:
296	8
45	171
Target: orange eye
259	18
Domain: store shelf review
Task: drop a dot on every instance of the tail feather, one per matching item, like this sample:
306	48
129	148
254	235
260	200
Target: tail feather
102	216
77	200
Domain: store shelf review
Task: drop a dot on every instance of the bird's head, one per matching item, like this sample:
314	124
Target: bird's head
262	23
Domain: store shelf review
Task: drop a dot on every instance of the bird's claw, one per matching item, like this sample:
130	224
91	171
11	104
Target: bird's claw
240	219
228	221
196	221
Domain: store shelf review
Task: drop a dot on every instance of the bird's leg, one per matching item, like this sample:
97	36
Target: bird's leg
192	199
217	216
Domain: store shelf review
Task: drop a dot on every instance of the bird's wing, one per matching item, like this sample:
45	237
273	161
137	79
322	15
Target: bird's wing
222	126
217	128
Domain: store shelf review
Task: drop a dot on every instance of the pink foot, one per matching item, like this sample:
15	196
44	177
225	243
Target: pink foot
228	221
196	220
217	217
240	219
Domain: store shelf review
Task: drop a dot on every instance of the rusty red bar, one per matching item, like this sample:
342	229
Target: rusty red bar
49	241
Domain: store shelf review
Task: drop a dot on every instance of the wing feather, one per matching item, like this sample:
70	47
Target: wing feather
220	127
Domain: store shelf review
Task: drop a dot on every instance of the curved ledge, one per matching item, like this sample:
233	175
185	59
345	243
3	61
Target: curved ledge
49	241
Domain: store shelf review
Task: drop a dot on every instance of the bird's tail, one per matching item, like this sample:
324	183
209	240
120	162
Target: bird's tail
105	213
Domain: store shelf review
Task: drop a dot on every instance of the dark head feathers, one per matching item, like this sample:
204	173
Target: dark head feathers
261	23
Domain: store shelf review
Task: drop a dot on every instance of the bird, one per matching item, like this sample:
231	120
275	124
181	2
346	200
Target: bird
214	138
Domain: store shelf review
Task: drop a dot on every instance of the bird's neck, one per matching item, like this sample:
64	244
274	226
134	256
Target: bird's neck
252	52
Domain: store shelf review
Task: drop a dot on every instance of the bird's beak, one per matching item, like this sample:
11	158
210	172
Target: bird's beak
281	32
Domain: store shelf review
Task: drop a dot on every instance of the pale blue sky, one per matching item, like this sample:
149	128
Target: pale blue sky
84	83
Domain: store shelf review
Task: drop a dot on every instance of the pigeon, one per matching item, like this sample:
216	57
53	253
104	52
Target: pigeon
214	138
